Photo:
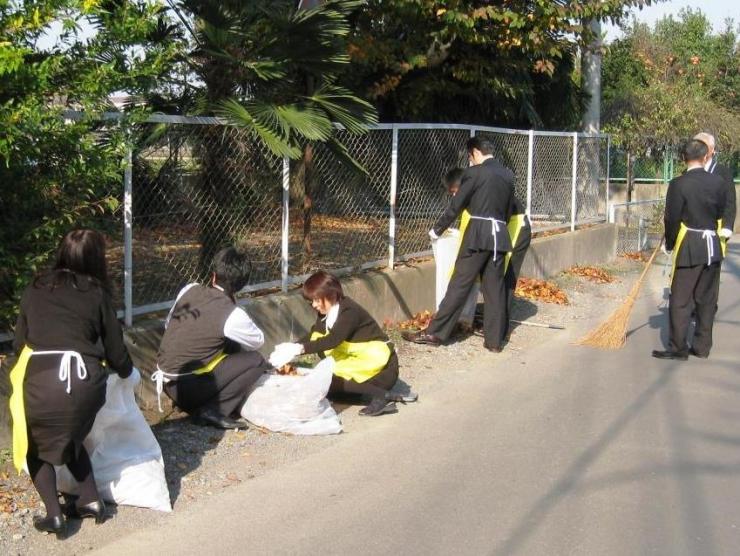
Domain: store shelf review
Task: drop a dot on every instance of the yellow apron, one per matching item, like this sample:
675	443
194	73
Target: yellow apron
17	409
358	361
160	377
17	406
514	226
682	231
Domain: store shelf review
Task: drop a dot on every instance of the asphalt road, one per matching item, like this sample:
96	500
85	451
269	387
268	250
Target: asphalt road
562	450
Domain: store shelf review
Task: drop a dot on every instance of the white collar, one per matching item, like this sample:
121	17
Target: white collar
331	316
700	167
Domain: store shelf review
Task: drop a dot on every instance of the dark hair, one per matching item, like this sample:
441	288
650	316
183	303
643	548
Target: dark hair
81	252
453	177
694	150
232	270
480	143
322	285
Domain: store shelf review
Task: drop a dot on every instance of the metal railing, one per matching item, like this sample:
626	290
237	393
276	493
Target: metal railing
639	224
193	185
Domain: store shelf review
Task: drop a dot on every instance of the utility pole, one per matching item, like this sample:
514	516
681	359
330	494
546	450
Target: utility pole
591	72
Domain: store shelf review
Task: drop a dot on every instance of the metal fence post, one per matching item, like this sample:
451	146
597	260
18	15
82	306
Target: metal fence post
394	186
530	166
128	309
284	246
573	183
472	132
608	166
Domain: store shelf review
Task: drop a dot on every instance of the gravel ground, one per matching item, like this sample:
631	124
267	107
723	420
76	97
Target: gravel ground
201	462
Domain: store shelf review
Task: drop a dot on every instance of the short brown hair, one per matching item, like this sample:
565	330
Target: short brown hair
322	285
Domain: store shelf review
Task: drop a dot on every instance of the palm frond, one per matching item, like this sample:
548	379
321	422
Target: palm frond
354	113
340	151
239	115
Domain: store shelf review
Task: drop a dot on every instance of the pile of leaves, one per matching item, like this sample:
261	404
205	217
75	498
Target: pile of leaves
593	273
637	256
540	290
418	322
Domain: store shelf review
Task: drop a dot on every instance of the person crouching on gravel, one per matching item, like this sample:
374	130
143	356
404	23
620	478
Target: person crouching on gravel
365	360
208	359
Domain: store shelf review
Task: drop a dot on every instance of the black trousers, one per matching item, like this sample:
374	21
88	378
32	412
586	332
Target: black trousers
515	266
225	389
376	386
468	266
694	288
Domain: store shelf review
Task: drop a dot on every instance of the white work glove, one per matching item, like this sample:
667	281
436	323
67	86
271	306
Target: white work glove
664	250
284	353
725	233
433	236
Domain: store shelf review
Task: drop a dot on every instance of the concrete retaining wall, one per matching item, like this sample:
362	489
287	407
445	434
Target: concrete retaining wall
387	295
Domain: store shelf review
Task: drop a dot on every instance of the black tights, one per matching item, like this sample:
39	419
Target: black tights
45	480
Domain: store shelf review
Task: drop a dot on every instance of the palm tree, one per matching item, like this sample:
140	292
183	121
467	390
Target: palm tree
271	69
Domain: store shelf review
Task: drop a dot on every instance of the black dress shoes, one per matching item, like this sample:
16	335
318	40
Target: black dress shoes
94	509
693	352
213	418
421	337
677	355
493	349
56	525
409	397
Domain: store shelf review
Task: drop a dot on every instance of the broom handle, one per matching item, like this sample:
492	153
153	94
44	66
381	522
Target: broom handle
538	324
636	287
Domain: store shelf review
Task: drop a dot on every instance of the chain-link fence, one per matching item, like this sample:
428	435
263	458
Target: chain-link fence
639	224
197	185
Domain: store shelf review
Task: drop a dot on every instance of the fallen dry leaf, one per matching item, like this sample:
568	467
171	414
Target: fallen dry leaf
593	273
540	290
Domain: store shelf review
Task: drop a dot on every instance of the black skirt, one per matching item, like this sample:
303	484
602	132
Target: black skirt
58	422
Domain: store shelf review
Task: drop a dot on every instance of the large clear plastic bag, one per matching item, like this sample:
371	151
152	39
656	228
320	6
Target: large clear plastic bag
445	251
294	404
125	455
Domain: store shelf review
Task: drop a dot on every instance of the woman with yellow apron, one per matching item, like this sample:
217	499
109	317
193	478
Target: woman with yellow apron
365	360
67	328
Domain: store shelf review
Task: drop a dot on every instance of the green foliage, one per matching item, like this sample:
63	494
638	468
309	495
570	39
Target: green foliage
57	173
467	61
663	85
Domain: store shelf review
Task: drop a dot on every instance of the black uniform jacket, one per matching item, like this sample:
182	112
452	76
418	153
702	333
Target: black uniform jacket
76	315
354	324
698	199
486	190
728	219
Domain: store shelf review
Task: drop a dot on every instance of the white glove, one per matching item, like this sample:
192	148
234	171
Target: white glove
725	233
433	236
284	353
664	250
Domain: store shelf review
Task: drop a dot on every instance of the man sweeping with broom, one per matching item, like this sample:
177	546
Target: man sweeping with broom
695	203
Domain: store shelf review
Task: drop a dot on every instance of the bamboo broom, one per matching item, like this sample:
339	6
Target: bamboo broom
612	333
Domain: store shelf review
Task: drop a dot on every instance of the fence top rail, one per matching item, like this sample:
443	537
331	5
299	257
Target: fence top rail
642	202
212	120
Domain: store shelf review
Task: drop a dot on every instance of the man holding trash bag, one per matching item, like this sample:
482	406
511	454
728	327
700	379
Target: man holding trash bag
487	192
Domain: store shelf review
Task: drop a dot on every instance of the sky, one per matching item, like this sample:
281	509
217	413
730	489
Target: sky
715	10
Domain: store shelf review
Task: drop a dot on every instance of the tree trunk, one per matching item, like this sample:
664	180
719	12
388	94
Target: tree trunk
308	177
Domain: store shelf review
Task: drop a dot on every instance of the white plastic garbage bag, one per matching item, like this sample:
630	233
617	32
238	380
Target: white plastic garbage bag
125	455
445	253
294	404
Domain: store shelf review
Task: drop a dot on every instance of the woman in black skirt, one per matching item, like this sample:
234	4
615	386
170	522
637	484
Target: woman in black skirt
67	332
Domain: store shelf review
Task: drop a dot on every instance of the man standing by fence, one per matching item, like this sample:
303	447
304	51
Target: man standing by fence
694	203
486	191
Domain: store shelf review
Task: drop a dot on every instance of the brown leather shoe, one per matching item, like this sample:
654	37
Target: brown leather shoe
421	337
493	349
